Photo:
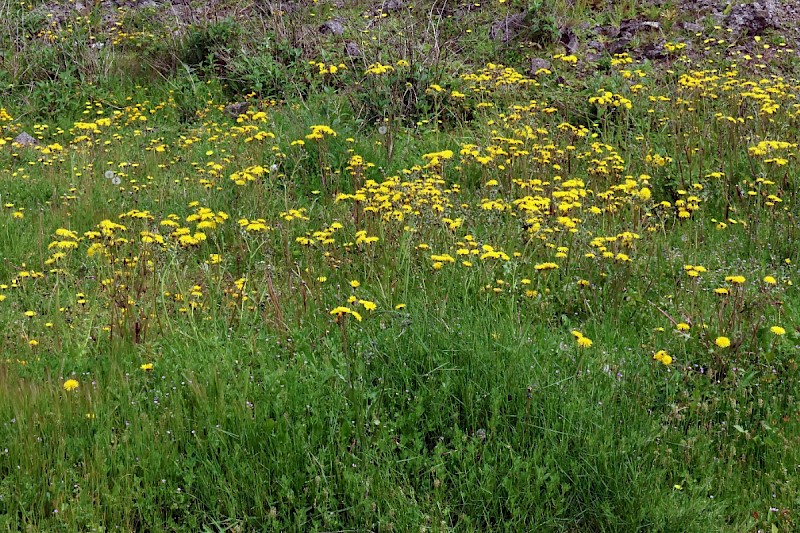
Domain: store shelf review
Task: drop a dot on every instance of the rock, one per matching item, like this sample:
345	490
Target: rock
624	34
332	27
569	40
24	139
538	64
387	6
753	19
692	27
631	27
654	51
393	5
618	47
352	50
238	108
508	28
597	46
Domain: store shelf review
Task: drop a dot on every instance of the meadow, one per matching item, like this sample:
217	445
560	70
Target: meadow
424	287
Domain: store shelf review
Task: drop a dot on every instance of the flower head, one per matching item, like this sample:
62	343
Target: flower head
722	342
71	385
663	357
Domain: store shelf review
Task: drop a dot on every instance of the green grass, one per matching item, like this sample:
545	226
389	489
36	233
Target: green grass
494	367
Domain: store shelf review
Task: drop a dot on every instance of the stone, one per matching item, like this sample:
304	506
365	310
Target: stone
753	19
569	40
538	64
507	28
238	108
24	139
332	27
352	50
692	27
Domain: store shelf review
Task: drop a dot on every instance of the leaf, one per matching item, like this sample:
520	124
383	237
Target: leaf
739	428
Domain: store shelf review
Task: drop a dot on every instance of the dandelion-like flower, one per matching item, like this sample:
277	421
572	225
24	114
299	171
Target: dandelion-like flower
722	342
583	342
71	385
663	357
341	311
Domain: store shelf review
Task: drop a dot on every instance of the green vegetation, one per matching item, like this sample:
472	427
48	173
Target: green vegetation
408	282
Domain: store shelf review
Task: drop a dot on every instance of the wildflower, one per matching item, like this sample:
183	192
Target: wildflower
663	357
736	280
70	385
355	284
777	330
341	311
722	291
770	280
147	367
683	326
369	306
722	342
583	342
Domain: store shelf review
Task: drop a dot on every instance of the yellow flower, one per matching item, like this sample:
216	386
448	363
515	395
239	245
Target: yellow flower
663	357
683	326
777	330
341	310
355	284
736	280
722	342
30	314
770	280
369	306
147	367
584	342
70	385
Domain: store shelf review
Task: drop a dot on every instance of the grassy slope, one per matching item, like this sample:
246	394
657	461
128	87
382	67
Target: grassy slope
463	401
